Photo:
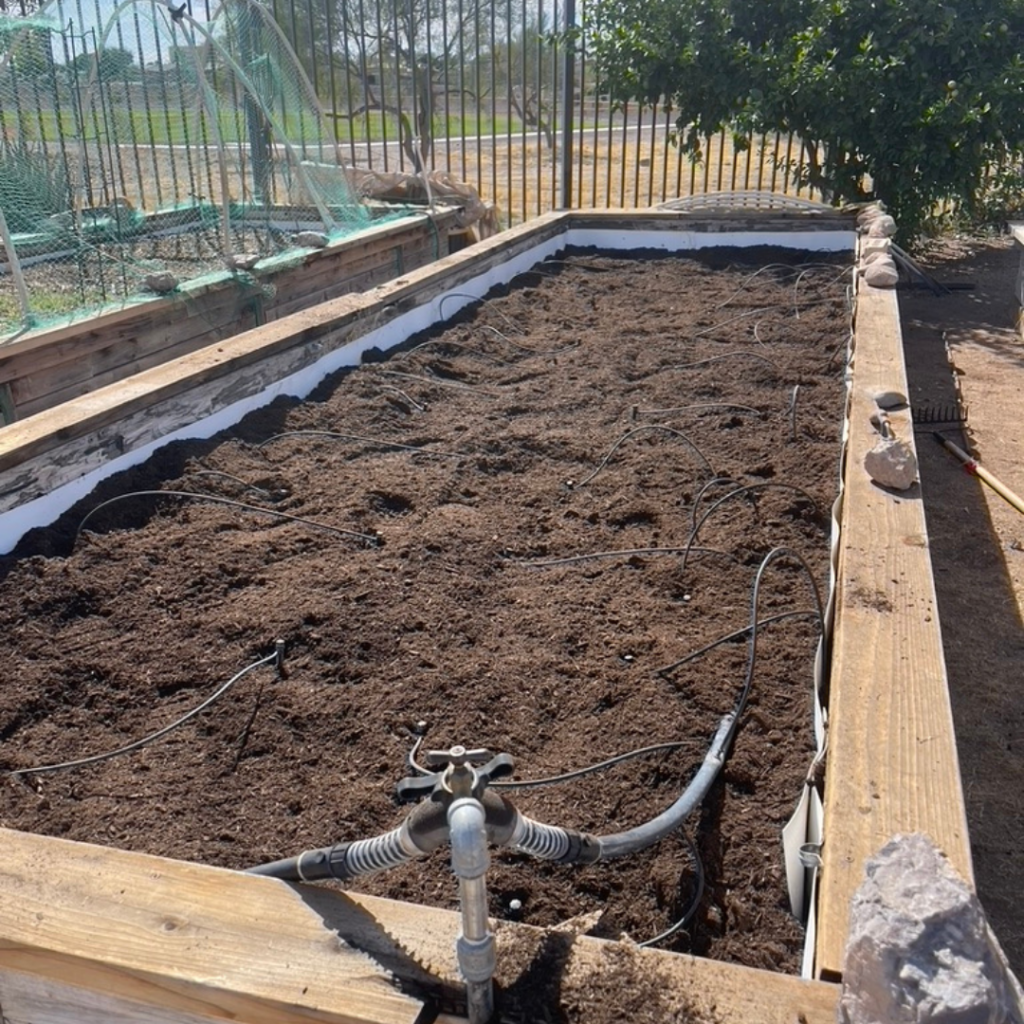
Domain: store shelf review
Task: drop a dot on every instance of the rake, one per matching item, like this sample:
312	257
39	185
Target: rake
950	413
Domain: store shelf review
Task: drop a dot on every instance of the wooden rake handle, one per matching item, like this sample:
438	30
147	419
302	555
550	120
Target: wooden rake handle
972	467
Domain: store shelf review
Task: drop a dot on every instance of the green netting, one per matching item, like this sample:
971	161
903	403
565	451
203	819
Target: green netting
141	145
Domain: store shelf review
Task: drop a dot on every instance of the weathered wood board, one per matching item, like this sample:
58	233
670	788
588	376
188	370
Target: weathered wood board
892	763
90	935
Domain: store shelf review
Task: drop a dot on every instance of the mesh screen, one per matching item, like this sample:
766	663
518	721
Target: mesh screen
142	147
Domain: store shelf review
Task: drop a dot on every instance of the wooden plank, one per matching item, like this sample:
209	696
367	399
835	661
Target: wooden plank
126	364
8	410
81	370
97	930
211	944
704	221
150	327
375	238
32	998
368	278
111	348
892	762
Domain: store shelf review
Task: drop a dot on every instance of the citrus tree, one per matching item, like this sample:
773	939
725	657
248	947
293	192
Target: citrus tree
909	101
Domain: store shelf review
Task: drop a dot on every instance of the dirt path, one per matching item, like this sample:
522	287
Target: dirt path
977	543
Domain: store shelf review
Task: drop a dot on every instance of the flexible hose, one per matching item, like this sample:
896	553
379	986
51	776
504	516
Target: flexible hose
566	846
621	844
344	861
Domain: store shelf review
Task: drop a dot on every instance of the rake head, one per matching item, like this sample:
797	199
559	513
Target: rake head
933	415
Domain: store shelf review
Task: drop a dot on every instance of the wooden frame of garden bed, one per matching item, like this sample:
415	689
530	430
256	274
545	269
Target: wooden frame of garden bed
43	368
90	934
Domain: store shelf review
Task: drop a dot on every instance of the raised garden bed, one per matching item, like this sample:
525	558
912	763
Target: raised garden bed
587	411
459	529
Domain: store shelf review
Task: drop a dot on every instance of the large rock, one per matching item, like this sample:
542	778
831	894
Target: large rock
892	463
920	950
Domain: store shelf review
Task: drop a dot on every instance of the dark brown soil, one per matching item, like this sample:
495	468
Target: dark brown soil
519	407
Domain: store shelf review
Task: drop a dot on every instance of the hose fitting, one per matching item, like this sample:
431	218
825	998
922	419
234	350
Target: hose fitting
552	842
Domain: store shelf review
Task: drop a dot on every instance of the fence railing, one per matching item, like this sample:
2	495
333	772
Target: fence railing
482	90
488	93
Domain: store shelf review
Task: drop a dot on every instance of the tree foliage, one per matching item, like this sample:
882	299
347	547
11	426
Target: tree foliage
909	101
114	63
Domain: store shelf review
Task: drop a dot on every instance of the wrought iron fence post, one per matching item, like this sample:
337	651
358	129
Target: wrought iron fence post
255	122
568	90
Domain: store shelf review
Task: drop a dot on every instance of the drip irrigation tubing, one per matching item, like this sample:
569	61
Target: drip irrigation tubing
800	277
846	343
803	269
367	538
555	780
735	635
475	298
398	391
439	382
526	348
462	346
758	310
234	479
755	593
691	907
744	410
335	436
738	354
746	489
277	658
700	495
624	552
750	277
579	773
636	430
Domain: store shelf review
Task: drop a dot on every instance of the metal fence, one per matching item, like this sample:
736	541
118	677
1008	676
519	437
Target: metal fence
487	91
142	107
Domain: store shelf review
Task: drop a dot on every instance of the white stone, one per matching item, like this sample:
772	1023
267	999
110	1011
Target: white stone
871	245
882	274
891	463
242	260
920	950
889	398
882	227
870	213
874	257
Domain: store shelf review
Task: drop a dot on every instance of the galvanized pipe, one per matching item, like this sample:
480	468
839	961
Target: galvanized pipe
475	945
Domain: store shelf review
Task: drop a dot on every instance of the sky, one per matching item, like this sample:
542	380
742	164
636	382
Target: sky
143	27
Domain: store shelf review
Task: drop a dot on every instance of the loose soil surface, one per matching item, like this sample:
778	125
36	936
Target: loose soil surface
598	405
